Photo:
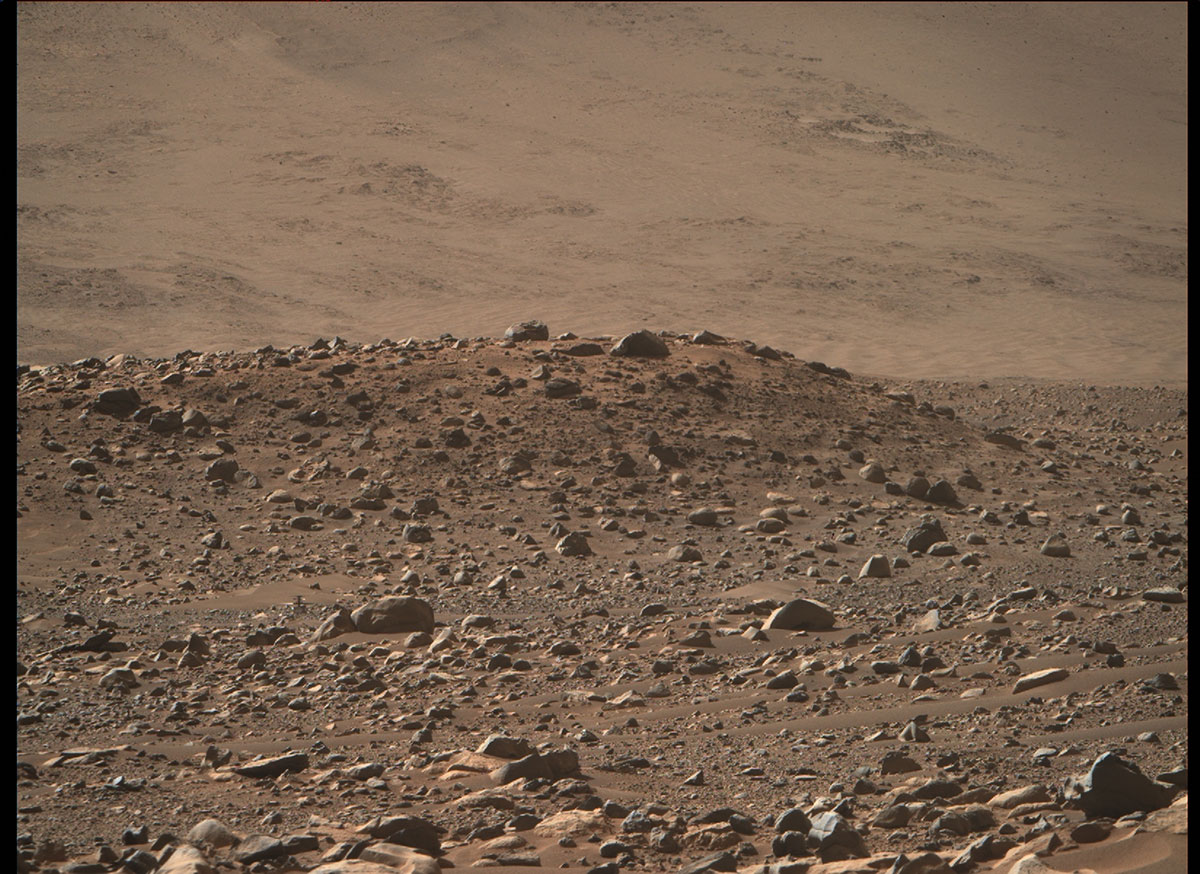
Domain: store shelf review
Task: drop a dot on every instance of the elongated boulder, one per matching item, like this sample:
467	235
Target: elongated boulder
274	766
358	866
552	765
505	747
393	614
1039	678
528	330
401	859
408	831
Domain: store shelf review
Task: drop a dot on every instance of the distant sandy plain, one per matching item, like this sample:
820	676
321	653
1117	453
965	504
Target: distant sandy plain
907	189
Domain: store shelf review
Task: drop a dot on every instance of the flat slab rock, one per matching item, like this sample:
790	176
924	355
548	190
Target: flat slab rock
273	767
1040	678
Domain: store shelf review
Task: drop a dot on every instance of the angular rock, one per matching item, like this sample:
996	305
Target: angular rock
1056	546
941	492
258	848
336	623
641	344
924	535
221	469
876	567
1032	794
873	473
550	766
793	820
830	830
1002	439
573	544
917	487
1114	787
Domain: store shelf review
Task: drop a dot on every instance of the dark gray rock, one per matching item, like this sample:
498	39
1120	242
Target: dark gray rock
559	387
1114	787
928	532
830	830
274	766
941	492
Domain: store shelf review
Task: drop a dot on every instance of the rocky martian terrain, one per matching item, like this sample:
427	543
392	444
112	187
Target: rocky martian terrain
668	602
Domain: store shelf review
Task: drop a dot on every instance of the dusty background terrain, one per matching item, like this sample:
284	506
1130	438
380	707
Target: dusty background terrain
909	189
425	598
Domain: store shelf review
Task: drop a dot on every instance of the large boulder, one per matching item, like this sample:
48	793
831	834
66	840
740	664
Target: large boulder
503	746
801	614
211	833
393	614
186	860
529	330
876	567
641	344
274	766
927	532
221	469
408	831
552	765
835	839
1114	787
336	623
119	402
1056	546
941	492
400	859
560	387
573	544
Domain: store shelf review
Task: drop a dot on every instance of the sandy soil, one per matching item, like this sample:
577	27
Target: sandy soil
922	190
183	561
